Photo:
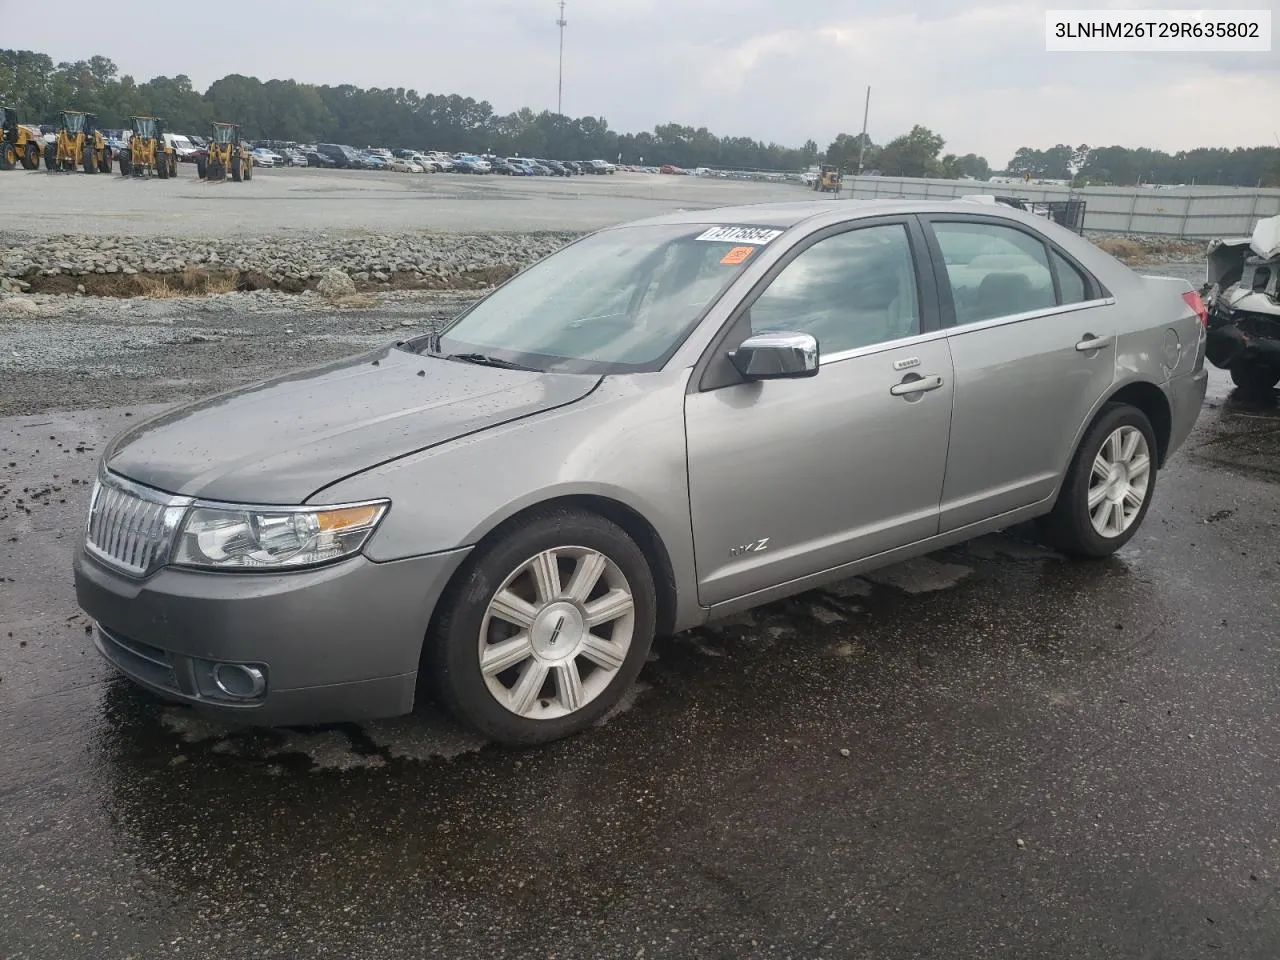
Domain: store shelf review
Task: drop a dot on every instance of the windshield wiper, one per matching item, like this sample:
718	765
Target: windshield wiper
484	360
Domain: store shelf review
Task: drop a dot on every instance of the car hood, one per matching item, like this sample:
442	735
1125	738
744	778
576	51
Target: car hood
281	441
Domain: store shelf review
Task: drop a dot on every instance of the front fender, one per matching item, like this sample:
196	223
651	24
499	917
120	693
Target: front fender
625	443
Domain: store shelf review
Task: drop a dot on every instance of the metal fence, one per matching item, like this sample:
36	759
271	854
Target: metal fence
1191	212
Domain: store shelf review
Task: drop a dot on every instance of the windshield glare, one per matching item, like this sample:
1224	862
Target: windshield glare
620	301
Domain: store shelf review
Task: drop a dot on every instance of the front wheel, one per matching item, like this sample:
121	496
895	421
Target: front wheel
126	163
87	160
544	628
1255	378
1108	487
202	168
50	156
235	169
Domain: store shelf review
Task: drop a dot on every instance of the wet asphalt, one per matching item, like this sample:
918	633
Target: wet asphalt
991	752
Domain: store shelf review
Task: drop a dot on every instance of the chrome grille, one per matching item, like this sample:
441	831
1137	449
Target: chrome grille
132	527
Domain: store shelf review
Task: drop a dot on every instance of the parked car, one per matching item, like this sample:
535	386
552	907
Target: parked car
556	169
469	163
519	167
262	157
711	410
342	156
293	157
315	159
1242	289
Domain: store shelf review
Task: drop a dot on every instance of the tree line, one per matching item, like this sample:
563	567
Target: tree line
37	87
1121	166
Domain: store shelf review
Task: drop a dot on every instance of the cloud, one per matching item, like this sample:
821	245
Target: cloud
977	73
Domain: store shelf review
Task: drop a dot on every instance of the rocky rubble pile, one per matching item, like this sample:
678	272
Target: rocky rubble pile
287	263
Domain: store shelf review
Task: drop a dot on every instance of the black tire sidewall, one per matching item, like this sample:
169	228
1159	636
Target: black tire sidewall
1254	378
451	656
1074	529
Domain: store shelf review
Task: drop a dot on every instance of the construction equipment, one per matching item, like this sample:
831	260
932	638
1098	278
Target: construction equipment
148	153
78	142
226	154
828	180
20	143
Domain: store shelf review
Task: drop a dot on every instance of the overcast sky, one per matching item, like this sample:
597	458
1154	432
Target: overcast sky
770	69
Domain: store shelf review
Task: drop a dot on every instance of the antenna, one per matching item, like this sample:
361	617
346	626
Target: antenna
561	23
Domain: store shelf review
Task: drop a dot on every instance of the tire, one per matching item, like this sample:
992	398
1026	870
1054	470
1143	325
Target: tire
202	167
235	169
104	166
1255	377
8	156
31	157
1070	527
87	161
126	164
506	564
50	156
248	172
173	166
162	168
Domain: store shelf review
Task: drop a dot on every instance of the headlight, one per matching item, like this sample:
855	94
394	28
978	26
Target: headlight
268	538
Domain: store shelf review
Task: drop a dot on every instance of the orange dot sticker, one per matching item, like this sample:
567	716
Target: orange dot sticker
736	256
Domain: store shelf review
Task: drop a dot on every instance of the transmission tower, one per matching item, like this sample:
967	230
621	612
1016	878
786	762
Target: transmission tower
561	23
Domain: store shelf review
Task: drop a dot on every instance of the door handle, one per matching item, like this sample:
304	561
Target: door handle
908	388
1090	342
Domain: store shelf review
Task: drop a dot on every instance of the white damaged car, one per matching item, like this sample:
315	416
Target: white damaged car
1242	294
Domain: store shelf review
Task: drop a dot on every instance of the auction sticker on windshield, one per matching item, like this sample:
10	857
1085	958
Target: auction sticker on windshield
754	235
736	256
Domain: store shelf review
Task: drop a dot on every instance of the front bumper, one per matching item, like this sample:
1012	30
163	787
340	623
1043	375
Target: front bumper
334	644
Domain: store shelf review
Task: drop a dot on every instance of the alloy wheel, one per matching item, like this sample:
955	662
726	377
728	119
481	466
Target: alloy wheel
1119	481
556	632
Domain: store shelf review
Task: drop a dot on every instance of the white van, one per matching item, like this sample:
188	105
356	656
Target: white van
183	148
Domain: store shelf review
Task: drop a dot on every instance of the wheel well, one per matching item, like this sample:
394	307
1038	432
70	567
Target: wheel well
1150	400
638	529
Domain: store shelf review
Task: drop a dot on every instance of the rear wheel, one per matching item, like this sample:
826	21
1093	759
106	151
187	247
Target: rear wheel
31	157
87	160
50	156
1255	377
544	629
1108	486
235	169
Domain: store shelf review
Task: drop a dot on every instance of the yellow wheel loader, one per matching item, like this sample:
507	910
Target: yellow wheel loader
147	153
20	143
828	180
227	156
78	143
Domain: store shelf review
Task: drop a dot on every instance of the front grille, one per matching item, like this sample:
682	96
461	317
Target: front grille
131	527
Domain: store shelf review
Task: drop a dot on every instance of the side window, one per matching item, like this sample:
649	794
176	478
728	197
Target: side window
1070	280
851	290
995	271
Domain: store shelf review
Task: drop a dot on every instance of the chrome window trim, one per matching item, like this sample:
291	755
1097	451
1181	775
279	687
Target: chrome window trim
1061	309
947	332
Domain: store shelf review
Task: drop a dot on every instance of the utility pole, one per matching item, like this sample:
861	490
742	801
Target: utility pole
561	23
862	143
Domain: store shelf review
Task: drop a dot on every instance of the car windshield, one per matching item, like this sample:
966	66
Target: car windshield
619	301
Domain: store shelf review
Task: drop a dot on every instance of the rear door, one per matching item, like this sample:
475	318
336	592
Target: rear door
1033	341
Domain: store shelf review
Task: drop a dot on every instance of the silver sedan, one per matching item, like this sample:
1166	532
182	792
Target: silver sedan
663	423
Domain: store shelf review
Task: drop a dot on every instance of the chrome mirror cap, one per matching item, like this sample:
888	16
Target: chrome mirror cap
777	355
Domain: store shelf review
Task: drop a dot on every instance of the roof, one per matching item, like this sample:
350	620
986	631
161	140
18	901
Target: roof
788	213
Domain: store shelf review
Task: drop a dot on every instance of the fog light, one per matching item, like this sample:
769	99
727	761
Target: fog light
239	681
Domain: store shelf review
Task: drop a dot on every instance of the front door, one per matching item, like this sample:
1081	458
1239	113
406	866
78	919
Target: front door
791	477
1034	347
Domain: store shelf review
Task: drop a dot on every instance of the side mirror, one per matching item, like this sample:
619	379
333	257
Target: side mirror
777	355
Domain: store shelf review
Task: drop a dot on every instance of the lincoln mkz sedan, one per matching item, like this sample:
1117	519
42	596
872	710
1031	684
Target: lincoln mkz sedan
662	423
